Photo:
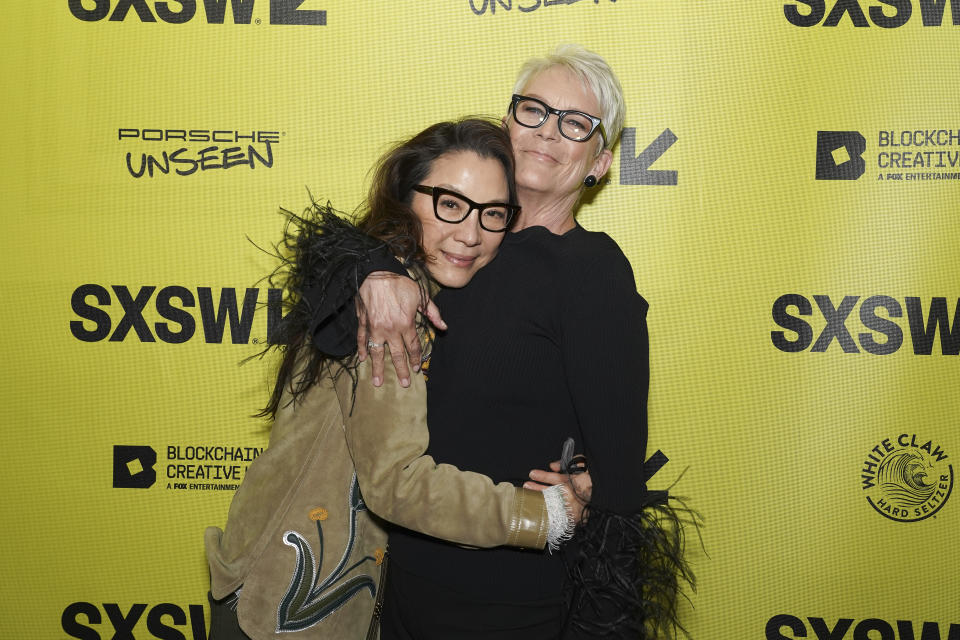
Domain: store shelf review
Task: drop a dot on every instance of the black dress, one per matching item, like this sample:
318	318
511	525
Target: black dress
547	342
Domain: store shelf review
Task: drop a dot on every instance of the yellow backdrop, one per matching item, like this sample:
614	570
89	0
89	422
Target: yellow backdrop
787	191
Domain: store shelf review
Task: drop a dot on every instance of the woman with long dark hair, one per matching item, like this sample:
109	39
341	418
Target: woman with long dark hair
302	551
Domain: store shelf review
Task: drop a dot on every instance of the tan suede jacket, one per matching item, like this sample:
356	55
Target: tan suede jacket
301	543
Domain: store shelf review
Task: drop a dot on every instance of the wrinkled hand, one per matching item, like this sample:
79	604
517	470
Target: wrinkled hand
577	488
387	311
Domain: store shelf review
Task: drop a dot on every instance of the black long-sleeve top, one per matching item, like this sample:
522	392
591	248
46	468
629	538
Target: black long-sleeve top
546	342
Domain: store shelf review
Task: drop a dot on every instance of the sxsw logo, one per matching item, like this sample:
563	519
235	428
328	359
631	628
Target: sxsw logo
215	320
852	629
281	11
133	467
98	619
878	314
840	155
886	14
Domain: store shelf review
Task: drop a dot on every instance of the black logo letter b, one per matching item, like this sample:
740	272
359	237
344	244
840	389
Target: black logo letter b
133	467
839	155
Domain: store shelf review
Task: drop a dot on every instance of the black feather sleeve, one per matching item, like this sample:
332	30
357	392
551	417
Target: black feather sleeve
323	259
626	572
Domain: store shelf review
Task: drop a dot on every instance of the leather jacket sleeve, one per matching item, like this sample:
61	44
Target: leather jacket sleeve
386	433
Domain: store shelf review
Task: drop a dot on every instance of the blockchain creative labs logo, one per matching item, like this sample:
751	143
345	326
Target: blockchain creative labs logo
901	155
133	467
840	155
155	152
193	467
907	478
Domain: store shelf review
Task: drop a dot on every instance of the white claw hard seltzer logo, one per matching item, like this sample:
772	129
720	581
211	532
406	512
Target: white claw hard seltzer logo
907	478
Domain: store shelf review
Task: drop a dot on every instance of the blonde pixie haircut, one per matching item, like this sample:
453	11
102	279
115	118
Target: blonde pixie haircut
594	71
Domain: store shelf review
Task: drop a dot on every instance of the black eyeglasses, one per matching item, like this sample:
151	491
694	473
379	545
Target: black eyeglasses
454	208
574	125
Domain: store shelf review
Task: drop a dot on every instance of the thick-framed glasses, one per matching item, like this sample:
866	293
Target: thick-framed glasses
574	125
453	207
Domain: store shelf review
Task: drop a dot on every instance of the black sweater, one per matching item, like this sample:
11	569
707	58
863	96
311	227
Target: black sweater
546	342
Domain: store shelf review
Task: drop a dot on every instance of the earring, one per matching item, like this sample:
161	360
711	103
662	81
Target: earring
590	181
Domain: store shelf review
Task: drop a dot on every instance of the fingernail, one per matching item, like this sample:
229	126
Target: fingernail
404	382
377	381
416	367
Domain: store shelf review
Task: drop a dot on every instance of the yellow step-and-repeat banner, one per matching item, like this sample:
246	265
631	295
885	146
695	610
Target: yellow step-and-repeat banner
787	189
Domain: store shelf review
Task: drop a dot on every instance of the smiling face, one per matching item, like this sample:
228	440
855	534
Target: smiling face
546	161
457	251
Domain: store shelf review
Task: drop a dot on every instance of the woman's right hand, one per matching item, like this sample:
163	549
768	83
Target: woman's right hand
387	312
577	488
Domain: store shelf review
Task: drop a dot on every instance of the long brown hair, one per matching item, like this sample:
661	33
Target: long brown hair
321	250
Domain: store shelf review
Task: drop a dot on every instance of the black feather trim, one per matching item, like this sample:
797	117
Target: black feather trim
625	573
323	258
